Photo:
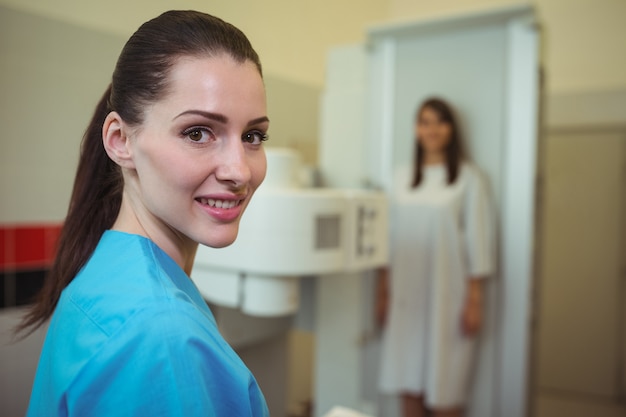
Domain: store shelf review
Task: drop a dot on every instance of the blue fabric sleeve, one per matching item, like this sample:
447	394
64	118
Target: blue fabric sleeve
165	361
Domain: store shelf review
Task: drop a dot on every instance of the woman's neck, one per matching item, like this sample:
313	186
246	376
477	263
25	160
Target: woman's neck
135	219
434	158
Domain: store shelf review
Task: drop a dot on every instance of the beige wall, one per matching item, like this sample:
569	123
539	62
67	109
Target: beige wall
290	36
51	76
584	44
583	39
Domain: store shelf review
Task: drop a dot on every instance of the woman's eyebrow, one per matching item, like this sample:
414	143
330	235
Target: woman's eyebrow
209	115
220	117
258	120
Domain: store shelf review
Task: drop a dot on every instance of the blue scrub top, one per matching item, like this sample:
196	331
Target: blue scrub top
132	336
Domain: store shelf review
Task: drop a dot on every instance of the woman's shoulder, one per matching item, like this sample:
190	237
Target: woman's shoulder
125	276
124	262
121	263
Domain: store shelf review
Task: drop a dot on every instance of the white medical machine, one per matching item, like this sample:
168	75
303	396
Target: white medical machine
290	230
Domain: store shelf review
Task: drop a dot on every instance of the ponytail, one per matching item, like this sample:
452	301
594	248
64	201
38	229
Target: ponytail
94	205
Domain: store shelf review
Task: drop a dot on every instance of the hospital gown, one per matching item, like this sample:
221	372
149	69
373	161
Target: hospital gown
441	237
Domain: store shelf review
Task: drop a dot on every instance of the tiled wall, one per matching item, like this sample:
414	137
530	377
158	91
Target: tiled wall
26	252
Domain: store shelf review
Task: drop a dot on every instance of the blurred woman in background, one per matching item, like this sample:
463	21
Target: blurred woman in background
431	297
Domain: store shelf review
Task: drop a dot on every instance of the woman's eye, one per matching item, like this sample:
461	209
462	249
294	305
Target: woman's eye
197	134
254	137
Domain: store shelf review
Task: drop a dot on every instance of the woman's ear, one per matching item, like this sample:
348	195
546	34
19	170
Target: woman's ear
116	141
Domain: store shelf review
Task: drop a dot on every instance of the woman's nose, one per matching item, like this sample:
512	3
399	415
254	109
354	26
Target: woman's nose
234	164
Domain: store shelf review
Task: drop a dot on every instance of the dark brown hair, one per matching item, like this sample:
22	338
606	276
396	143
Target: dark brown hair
139	79
454	151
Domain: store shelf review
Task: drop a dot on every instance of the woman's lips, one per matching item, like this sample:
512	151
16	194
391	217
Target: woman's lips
221	209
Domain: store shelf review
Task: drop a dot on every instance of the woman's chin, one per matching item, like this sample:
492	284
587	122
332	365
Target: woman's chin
221	240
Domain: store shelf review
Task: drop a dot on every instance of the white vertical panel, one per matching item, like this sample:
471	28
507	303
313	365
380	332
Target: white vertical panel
338	331
518	218
380	112
342	118
339	297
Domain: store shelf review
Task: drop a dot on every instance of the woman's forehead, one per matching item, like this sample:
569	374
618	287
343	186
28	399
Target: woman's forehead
214	83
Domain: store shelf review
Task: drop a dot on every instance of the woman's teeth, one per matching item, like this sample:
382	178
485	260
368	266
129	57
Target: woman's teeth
225	204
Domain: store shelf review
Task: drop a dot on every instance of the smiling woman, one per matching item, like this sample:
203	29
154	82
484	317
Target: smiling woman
203	142
171	159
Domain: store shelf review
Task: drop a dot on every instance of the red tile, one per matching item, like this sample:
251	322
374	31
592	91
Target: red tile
3	246
27	246
7	247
